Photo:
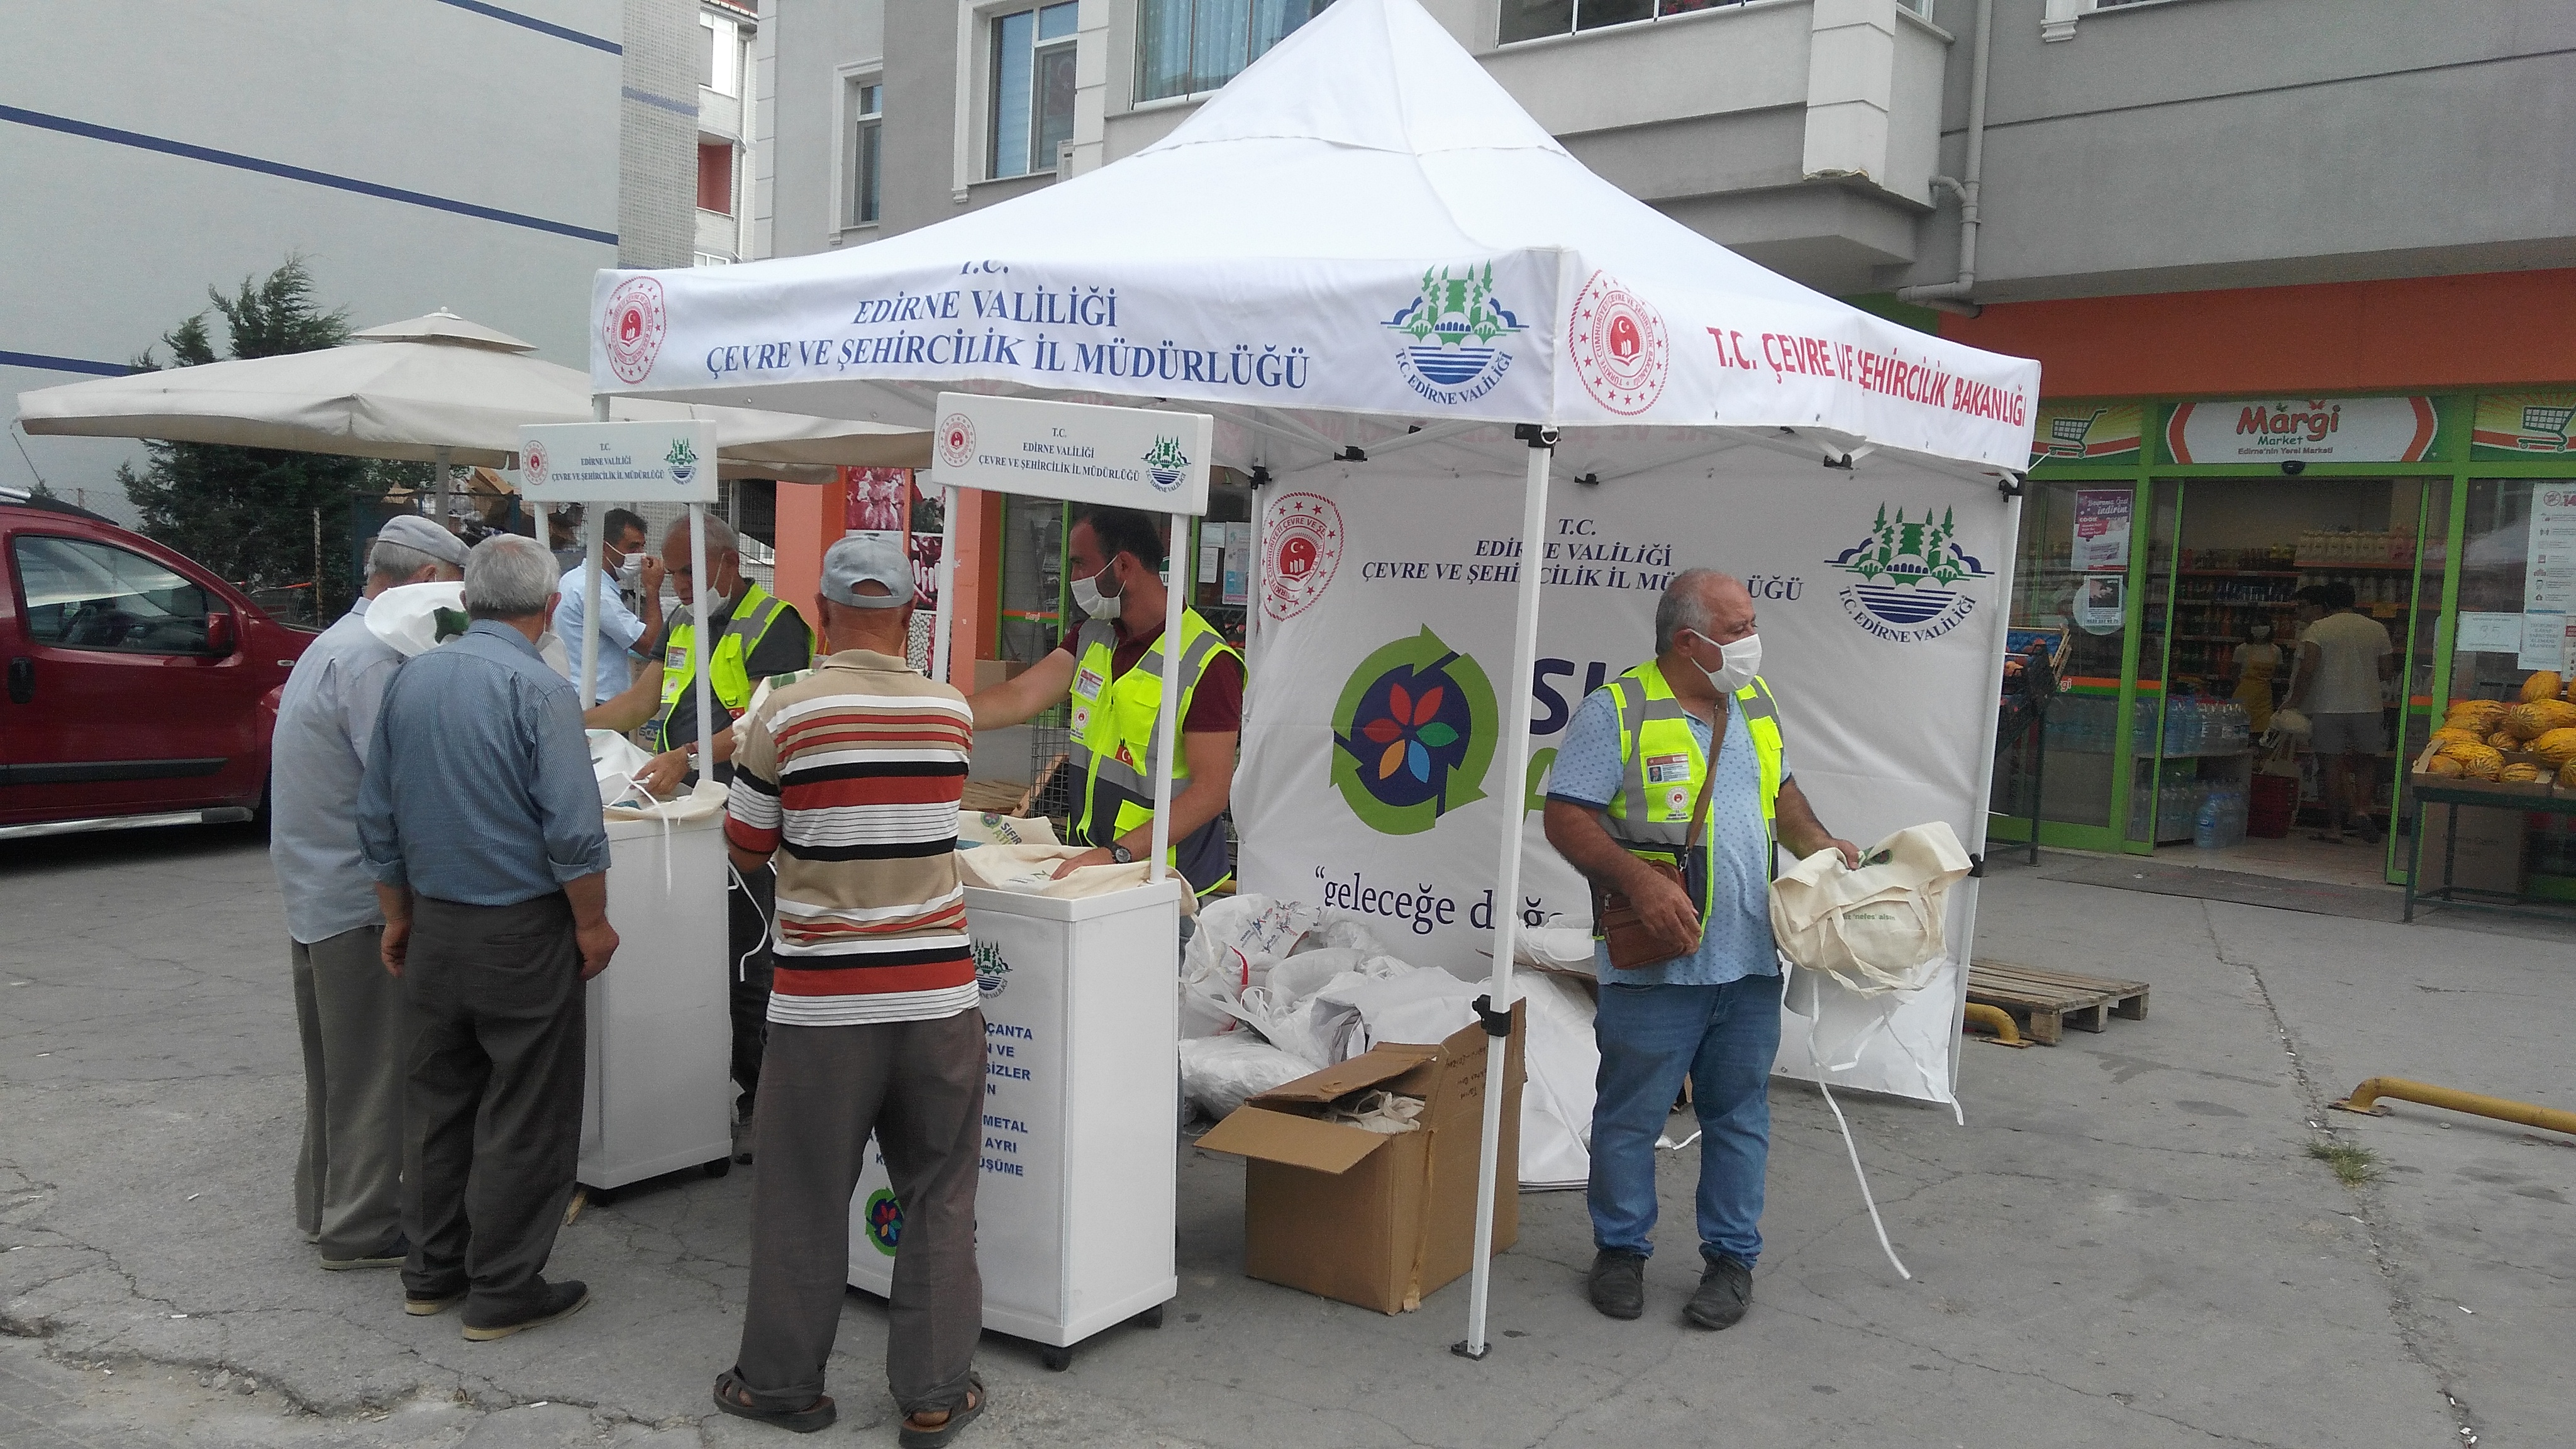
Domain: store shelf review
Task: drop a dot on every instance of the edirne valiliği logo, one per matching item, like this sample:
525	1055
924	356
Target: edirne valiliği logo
1458	327
1907	571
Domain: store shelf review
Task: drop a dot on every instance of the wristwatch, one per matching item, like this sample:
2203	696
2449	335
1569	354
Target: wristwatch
1121	854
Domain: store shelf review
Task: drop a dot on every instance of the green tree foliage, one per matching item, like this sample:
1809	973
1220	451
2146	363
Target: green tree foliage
248	513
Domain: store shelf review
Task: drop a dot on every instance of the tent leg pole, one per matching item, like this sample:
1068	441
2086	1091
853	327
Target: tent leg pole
1507	885
701	645
1965	921
943	619
593	556
1167	720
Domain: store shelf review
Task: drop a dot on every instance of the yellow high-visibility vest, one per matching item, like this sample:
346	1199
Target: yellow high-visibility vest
1662	766
1113	743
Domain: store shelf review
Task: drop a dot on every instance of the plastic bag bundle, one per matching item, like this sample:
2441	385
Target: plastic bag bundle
1219	1073
1878	928
1236	942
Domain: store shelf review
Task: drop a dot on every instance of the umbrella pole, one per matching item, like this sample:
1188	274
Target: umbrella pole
438	487
1507	888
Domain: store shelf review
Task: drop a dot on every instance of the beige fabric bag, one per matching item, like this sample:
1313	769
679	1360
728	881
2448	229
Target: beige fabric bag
1878	928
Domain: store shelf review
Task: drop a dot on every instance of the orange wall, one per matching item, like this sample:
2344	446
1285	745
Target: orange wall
809	519
2424	333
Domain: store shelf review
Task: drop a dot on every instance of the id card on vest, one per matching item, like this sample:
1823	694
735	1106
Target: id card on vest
1086	696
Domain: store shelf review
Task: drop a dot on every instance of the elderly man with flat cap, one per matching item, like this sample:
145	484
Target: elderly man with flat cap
873	1022
348	1177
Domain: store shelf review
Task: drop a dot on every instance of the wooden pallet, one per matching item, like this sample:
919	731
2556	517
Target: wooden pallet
2055	1000
999	797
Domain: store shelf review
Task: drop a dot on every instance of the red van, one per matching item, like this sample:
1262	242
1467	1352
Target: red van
141	688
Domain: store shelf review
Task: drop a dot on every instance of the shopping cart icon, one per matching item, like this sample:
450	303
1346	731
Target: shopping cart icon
2544	429
2066	435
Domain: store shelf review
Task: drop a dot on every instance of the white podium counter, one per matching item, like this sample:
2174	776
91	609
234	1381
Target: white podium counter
658	1097
1074	1213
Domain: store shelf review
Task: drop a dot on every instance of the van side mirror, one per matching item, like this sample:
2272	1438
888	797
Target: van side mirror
220	639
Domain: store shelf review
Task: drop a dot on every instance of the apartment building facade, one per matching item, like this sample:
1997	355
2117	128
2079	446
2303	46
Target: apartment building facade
416	153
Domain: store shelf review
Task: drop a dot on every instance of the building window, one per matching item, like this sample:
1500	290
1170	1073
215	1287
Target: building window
715	178
1532	19
719	55
1186	47
867	176
1032	109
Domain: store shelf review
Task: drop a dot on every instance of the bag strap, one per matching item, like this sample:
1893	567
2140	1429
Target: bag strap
1716	742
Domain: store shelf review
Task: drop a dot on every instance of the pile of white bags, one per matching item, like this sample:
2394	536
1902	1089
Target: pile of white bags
1273	990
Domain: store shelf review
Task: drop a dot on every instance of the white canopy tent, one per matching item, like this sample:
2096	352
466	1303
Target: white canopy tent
1363	246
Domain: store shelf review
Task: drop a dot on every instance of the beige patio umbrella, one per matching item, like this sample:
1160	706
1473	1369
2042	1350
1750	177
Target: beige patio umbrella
435	389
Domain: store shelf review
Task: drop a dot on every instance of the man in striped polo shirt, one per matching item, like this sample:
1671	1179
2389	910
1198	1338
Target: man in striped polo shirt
851	777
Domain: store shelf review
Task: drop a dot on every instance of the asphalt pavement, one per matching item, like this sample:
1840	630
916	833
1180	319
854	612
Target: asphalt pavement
2129	1243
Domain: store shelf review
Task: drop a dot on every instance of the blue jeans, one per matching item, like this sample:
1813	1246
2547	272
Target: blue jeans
1723	1038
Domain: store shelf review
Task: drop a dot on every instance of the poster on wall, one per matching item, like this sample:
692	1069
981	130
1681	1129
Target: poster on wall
2549	576
2101	529
887	500
1371	776
2522	425
2312	430
2086	433
2102	603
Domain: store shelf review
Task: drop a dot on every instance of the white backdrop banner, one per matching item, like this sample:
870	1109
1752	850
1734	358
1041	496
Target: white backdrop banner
1370	777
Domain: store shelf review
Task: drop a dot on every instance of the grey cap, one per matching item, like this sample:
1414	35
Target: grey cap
860	557
415	532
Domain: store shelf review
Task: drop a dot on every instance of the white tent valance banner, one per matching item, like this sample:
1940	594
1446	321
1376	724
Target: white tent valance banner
1370	780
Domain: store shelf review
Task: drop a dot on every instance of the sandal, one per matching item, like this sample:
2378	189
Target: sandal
957	1419
734	1397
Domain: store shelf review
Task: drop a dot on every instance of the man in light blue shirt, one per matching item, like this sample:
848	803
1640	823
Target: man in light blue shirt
348	1175
1635	760
624	635
481	824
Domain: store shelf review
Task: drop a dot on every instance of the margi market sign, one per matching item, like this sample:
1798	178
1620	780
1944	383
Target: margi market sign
2316	430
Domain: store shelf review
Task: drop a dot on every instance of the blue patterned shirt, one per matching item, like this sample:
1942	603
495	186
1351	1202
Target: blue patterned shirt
1737	942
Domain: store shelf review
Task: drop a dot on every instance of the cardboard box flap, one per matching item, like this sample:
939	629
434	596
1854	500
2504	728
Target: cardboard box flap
1371	1068
1291	1140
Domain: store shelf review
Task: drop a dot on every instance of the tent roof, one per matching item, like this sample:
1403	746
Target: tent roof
1362	222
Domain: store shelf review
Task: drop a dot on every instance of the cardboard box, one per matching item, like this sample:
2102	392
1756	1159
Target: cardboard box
1371	1219
2488	852
990	672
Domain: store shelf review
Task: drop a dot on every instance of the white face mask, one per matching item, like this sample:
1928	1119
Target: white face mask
630	571
1088	598
1737	664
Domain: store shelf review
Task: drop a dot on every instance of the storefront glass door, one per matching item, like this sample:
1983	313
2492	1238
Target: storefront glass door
2228	564
2070	580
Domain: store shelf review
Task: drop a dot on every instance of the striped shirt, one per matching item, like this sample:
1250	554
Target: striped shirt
852	775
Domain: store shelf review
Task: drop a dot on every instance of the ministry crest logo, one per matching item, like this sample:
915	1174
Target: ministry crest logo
1907	572
1457	326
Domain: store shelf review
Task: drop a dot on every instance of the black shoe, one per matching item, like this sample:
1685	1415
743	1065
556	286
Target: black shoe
742	1142
559	1301
1618	1283
1725	1291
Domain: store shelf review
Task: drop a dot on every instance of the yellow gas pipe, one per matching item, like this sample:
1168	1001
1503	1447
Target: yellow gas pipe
2006	1034
2364	1099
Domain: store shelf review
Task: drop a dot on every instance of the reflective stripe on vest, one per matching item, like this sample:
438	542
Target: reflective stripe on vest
1662	764
728	663
1113	736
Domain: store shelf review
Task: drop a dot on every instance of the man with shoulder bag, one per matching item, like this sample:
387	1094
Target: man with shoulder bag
1672	793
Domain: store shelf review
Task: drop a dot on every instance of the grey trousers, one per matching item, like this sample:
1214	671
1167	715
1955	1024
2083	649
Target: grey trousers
918	1086
494	1106
351	1015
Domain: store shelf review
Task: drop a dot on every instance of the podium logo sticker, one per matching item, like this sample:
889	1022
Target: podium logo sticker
1413	735
633	328
992	973
1908	572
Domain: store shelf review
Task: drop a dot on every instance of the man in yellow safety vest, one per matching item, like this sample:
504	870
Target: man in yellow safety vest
754	635
1622	793
1112	672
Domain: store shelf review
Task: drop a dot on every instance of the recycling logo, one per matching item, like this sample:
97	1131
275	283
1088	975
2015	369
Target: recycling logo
1413	735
